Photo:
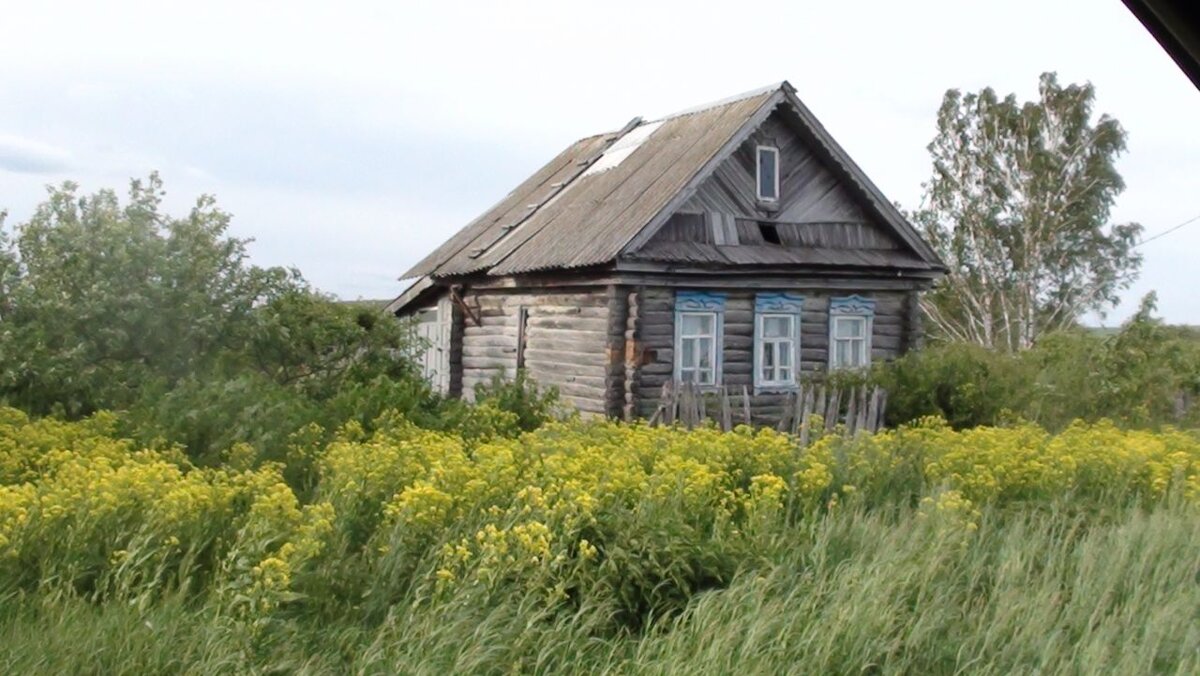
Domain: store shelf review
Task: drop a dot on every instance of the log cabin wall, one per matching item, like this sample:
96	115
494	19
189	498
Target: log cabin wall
656	320
567	342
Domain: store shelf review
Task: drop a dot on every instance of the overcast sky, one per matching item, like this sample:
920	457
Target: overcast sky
350	138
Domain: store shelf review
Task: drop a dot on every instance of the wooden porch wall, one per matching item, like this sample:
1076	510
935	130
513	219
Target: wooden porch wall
567	342
656	335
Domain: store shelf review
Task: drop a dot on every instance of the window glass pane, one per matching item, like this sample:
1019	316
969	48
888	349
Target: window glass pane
858	358
688	357
776	326
785	354
841	354
767	168
785	375
849	327
696	324
697	347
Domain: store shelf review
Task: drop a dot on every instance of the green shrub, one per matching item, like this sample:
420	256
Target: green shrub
521	396
968	385
1145	374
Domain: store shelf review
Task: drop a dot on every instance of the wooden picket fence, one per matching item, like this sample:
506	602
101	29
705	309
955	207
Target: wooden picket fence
859	408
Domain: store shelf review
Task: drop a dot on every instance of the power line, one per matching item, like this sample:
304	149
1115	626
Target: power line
1168	230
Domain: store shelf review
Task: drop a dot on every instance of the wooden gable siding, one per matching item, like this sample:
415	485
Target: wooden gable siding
566	342
703	229
809	191
891	335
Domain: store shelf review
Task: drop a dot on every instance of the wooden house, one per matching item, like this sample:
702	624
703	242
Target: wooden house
732	244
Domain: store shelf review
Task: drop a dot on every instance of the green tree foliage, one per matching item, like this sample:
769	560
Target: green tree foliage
1018	208
1145	374
101	299
105	305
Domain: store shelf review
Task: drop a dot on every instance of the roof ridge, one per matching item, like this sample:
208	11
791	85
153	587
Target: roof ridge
759	91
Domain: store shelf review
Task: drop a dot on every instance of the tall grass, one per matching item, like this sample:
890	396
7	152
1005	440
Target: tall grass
604	548
856	590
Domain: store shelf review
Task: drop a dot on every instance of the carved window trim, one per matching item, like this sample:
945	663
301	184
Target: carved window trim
844	311
704	304
777	304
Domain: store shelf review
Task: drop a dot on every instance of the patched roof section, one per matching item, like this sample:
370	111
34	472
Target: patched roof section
581	209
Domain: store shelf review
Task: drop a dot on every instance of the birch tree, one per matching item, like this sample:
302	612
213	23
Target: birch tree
1018	208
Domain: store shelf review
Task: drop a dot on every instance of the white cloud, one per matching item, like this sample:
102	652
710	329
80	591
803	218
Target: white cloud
28	156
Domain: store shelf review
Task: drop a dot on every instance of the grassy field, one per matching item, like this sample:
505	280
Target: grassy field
604	548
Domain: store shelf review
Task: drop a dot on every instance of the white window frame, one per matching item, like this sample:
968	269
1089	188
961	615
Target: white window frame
680	367
758	172
792	340
850	308
864	339
692	303
777	304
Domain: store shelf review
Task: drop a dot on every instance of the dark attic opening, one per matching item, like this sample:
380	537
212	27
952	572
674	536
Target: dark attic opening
770	233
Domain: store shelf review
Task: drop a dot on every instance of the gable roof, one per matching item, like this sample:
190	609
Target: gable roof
605	196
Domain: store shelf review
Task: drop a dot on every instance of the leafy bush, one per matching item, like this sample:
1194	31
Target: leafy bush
1145	374
122	307
522	397
968	385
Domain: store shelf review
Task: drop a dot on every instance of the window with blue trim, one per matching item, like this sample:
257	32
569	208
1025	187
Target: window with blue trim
699	324
777	340
850	321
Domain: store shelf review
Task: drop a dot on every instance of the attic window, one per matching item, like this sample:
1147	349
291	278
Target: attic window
768	174
770	233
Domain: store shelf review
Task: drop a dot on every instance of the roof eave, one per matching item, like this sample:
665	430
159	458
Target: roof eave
410	295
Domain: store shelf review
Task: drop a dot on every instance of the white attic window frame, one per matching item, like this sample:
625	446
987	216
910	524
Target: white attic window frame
759	151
